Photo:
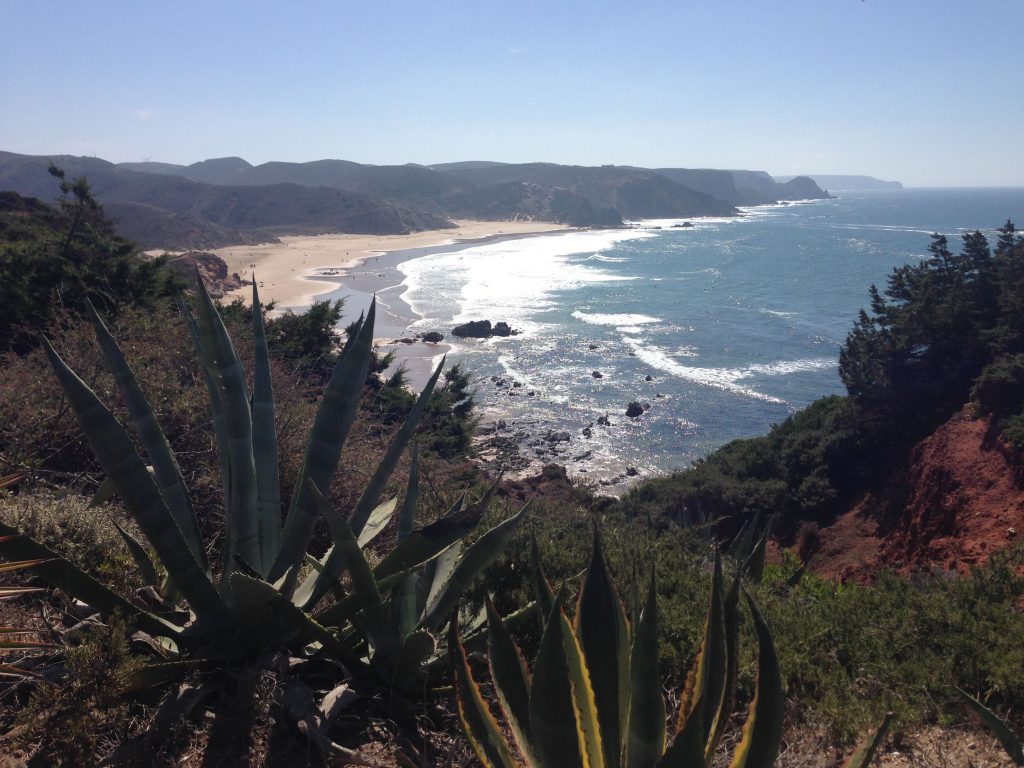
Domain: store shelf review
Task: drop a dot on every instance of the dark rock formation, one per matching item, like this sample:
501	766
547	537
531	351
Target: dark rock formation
482	329
597	375
474	329
432	337
634	409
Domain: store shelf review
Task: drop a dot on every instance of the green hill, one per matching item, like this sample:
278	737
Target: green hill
174	211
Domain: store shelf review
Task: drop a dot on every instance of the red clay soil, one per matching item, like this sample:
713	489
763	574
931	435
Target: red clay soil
962	500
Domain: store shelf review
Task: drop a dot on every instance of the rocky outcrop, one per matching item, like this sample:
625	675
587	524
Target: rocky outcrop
482	329
212	268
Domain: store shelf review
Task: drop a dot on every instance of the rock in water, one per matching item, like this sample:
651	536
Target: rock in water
433	337
634	409
474	329
482	329
597	375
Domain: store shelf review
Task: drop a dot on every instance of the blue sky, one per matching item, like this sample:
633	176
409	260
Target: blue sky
925	91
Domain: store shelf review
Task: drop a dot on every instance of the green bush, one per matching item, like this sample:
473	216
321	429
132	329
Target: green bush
65	522
86	714
999	390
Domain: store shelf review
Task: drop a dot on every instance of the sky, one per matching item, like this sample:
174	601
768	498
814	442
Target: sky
928	92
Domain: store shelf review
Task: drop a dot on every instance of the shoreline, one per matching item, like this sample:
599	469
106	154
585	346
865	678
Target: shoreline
298	270
355	268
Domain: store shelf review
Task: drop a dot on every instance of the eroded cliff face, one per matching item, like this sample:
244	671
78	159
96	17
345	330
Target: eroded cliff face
212	268
960	499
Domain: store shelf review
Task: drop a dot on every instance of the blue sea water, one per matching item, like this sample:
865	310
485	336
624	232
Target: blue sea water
738	322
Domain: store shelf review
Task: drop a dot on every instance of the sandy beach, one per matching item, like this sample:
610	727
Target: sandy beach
288	271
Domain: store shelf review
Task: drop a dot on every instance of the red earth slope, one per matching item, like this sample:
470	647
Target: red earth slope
961	499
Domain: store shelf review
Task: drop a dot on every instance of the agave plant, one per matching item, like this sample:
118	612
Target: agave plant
1009	740
263	595
595	695
595	699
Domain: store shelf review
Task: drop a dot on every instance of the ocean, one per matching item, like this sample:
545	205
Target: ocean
719	330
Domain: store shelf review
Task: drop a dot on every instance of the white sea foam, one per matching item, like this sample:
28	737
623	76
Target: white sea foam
775	312
725	378
596	318
718	378
513	280
784	367
513	373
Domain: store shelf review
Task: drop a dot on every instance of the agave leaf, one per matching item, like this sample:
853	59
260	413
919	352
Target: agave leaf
511	681
798	574
753	566
704	694
1007	738
23	645
405	668
404	607
645	725
104	493
475	716
264	441
541	586
150	675
378	521
165	467
9	670
331	426
141	557
478	556
64	575
603	633
688	747
21	565
8	593
345	555
216	407
762	731
122	463
242	536
407	517
437	573
423	545
588	726
257	592
375	486
345	609
407	558
556	738
866	752
732	641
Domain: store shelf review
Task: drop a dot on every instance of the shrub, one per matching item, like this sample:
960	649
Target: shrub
999	389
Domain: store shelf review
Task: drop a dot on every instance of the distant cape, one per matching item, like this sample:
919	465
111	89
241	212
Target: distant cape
840	182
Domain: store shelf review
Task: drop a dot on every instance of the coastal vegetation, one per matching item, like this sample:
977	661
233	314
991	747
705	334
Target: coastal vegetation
51	257
174	579
941	333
